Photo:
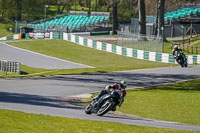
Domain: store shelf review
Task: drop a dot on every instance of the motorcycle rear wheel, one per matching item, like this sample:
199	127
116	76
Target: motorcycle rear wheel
107	106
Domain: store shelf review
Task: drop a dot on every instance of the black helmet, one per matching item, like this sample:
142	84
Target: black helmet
123	85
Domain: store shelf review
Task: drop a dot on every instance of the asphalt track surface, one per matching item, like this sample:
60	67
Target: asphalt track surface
49	95
34	59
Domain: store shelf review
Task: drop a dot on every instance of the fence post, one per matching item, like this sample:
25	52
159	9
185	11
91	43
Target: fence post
196	50
192	49
19	68
189	41
4	67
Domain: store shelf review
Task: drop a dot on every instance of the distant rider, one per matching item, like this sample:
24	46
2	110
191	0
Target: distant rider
176	50
118	87
179	56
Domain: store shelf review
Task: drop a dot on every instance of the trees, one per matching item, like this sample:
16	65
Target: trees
3	9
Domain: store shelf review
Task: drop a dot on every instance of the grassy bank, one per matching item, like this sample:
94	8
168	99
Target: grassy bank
18	122
178	102
102	61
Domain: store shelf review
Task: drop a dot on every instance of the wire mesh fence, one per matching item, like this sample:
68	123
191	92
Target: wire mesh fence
141	42
189	49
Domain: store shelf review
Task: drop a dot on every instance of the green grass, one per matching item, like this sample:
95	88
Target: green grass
18	122
102	61
179	102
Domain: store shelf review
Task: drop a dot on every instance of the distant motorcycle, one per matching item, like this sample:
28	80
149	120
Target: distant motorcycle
104	104
180	58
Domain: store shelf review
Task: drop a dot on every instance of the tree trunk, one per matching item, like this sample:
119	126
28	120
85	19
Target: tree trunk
62	10
80	3
58	6
96	5
115	16
2	16
108	9
142	17
101	2
89	4
19	9
156	25
161	9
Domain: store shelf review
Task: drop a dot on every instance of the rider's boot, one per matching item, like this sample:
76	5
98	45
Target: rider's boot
114	108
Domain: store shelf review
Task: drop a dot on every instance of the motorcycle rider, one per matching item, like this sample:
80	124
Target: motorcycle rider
176	50
177	53
119	87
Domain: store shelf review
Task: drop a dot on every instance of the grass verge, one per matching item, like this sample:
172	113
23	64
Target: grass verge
177	102
18	122
102	61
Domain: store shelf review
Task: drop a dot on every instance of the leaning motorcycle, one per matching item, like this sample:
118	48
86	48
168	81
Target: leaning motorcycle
181	59
104	104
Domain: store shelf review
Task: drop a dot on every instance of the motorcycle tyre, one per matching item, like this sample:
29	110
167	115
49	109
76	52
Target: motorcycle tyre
186	64
108	108
88	109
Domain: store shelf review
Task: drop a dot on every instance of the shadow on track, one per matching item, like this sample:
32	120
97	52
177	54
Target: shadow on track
35	100
133	79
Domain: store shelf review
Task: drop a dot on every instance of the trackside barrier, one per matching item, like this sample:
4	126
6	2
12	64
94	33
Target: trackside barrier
130	52
15	37
10	66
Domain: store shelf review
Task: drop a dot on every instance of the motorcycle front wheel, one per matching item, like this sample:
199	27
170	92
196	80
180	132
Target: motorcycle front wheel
88	109
107	106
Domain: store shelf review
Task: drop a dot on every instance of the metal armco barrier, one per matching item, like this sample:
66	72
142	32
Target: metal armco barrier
10	66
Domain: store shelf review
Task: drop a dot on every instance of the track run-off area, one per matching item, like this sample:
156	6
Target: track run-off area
49	95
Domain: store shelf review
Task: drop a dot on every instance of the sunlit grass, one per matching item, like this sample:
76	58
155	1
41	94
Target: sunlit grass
102	61
18	122
178	102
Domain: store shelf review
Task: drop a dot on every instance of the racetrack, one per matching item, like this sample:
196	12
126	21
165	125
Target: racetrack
49	95
34	59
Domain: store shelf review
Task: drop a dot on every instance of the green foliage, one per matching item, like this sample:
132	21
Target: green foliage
4	30
31	10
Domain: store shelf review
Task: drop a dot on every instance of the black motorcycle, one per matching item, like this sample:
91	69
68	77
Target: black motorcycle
181	58
104	104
